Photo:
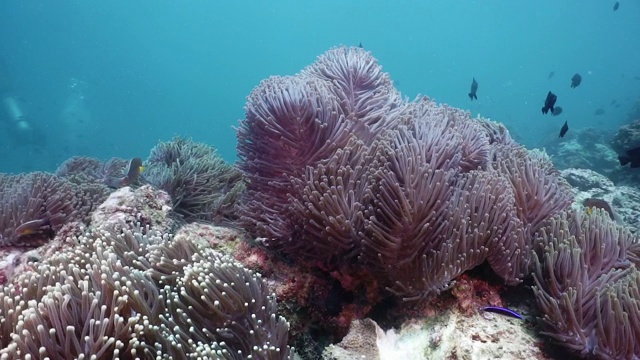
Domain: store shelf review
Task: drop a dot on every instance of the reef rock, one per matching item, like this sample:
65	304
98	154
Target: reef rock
624	200
146	206
627	137
451	335
360	342
587	149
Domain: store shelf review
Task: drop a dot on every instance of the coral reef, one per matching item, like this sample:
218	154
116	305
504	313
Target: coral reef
201	184
588	285
116	293
344	175
358	204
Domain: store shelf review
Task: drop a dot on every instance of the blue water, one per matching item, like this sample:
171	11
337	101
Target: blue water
112	78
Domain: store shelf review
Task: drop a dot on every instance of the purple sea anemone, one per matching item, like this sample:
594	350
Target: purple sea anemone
201	184
34	206
588	285
342	173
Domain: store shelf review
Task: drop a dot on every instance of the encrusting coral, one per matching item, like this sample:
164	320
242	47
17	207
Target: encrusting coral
588	285
117	293
344	174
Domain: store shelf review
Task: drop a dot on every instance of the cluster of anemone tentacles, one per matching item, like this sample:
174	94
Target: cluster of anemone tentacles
588	285
121	294
201	184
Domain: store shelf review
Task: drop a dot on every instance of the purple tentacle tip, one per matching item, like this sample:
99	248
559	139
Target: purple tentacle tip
503	311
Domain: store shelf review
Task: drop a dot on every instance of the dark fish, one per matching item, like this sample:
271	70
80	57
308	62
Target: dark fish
564	129
557	111
616	6
632	157
551	74
133	175
474	88
360	45
599	112
576	80
635	152
598	204
503	311
549	102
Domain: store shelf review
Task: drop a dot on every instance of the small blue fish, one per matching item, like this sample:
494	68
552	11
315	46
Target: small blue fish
503	311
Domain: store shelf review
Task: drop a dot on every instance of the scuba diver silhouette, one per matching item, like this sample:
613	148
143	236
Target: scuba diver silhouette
19	126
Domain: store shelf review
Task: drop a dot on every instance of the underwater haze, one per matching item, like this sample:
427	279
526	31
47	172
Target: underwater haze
112	78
